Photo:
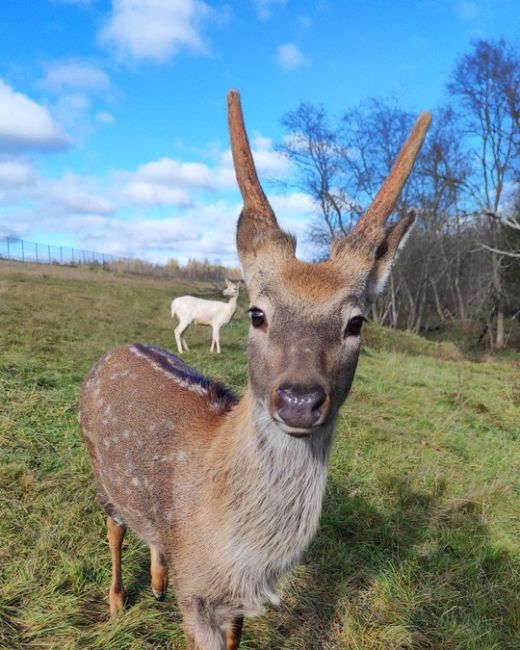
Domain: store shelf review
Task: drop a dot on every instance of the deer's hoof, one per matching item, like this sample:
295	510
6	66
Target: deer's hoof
117	606
158	595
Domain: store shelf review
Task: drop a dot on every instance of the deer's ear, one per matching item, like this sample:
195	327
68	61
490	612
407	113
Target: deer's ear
393	241
260	241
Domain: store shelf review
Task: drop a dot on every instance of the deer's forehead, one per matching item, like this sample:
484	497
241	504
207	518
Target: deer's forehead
317	286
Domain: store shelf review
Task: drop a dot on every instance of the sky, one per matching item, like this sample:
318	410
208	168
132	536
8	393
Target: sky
113	132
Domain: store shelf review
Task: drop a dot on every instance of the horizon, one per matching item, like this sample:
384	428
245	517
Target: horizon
113	129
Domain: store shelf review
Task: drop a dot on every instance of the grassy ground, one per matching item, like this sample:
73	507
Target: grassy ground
419	545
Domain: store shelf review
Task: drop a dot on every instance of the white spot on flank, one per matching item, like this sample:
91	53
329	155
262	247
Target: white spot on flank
135	481
181	456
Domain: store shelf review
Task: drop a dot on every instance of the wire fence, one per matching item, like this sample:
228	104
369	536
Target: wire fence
20	250
12	248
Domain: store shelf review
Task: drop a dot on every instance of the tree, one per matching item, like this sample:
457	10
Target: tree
486	84
312	145
343	166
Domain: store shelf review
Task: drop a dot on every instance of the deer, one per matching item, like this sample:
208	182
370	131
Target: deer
227	492
214	313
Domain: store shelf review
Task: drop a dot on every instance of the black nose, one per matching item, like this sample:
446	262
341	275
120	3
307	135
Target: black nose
300	406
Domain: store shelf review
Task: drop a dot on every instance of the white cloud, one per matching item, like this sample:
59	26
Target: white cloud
104	117
15	173
155	29
167	181
74	194
265	8
159	210
66	75
77	89
467	9
151	194
26	125
173	172
290	57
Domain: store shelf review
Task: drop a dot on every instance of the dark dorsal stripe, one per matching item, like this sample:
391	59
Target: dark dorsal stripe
218	395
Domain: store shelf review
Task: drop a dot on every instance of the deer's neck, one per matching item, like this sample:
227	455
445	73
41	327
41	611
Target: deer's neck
232	303
271	489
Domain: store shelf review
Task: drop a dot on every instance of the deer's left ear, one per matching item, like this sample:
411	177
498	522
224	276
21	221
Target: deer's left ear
393	241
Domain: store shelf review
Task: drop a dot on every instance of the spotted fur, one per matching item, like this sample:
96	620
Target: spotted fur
228	492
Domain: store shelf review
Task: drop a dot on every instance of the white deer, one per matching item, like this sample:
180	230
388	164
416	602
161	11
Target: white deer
189	309
228	492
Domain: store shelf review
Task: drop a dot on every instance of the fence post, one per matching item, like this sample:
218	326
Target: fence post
23	254
72	251
36	252
8	250
61	255
49	251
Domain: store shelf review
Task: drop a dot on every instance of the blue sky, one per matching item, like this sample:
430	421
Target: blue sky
112	113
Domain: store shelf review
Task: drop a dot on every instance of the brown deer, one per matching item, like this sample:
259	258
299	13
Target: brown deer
227	492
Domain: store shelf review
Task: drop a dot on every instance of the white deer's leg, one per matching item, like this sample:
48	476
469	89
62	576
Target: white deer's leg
215	344
181	327
185	345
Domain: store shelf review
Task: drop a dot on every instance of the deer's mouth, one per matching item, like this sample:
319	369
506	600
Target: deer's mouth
296	432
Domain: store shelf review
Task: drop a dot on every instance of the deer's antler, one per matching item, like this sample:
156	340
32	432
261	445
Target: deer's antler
255	201
374	218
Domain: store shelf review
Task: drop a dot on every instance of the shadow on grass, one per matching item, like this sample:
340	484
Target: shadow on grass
420	572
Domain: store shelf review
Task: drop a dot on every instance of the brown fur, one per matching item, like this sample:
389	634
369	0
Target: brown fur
228	492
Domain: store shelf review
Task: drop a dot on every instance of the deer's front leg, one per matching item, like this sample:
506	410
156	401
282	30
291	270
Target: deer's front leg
116	534
233	633
201	629
159	572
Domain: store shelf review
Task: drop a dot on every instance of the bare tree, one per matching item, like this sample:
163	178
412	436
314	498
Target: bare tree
312	145
343	165
486	85
458	267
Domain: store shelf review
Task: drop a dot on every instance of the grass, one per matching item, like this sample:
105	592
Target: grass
419	544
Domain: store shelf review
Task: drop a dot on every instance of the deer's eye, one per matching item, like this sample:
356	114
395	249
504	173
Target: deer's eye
354	326
257	317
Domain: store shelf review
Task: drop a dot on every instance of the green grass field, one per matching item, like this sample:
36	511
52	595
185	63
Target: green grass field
419	545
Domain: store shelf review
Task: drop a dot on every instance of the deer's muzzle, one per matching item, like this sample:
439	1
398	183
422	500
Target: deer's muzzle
300	407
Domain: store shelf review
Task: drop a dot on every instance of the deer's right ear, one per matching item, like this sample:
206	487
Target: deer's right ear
260	241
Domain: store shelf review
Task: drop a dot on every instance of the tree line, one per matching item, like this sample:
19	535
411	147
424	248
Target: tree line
461	268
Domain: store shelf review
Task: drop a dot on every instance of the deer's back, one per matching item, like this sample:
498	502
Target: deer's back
199	309
147	419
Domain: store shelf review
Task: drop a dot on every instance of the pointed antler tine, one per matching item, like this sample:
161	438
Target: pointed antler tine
386	198
255	201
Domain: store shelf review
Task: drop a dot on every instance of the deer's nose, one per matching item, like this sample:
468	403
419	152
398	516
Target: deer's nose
300	407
